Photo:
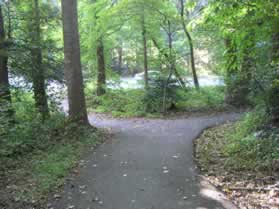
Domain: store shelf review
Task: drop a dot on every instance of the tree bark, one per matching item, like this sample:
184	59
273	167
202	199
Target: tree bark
5	95
145	59
191	46
73	72
38	74
101	77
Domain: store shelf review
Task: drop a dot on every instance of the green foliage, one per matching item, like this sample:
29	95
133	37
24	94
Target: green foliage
22	33
136	103
251	144
273	100
41	153
124	103
208	98
244	146
246	30
160	96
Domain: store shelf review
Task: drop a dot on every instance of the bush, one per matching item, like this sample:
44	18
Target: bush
159	97
41	153
27	131
123	103
252	144
206	98
140	102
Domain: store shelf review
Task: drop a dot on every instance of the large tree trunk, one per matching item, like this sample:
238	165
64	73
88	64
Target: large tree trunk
191	46
38	74
73	73
101	78
145	58
5	96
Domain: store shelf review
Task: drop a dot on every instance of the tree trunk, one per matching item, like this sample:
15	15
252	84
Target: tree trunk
73	72
101	80
145	59
275	42
171	71
191	46
120	56
5	96
37	68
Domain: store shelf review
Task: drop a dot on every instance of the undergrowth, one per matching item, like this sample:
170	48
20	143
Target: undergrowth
253	143
139	103
35	157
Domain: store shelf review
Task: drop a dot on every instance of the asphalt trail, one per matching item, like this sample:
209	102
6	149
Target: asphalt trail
148	164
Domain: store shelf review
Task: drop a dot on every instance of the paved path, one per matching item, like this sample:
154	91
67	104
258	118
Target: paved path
148	164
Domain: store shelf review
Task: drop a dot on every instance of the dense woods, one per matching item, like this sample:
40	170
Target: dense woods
60	60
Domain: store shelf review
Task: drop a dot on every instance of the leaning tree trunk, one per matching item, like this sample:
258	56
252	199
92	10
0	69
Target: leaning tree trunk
73	72
101	77
5	95
191	45
145	59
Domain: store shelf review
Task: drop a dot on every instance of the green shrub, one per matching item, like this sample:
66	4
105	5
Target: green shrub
140	102
28	133
37	152
158	94
123	103
252	144
204	99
